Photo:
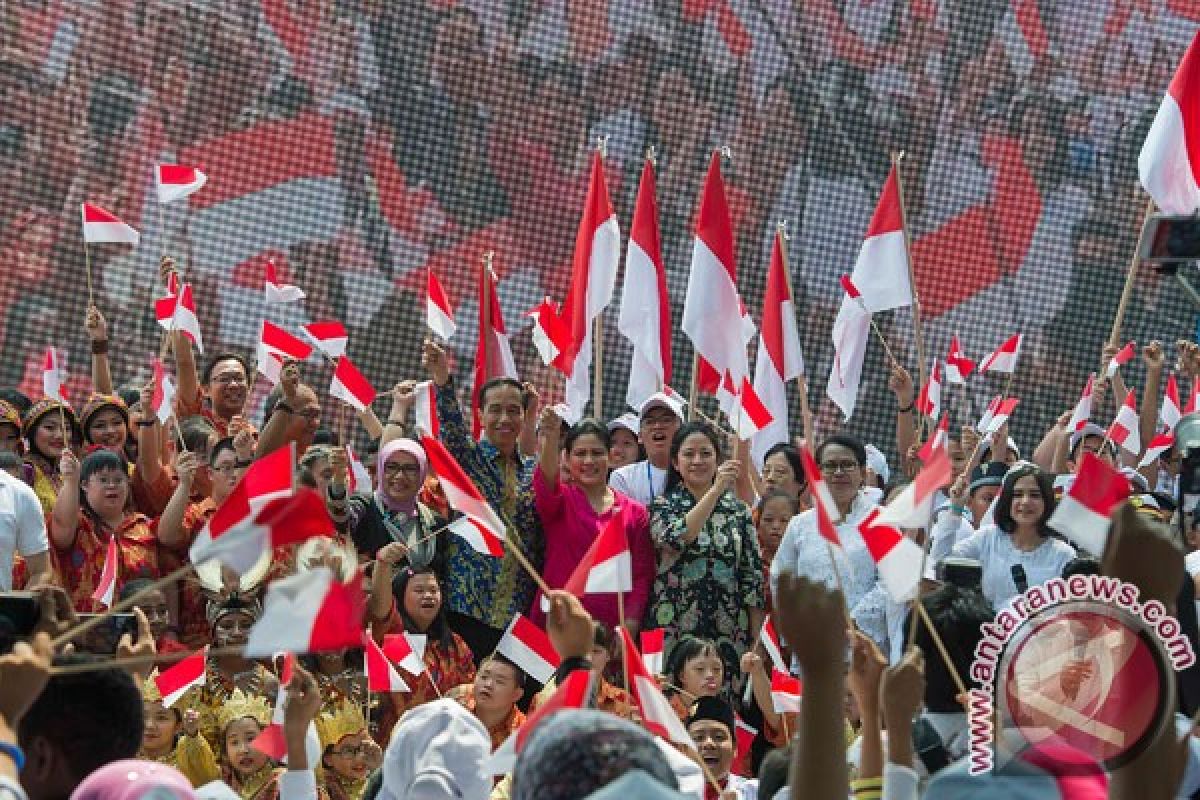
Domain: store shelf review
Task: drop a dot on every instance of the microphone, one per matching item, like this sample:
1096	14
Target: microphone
1018	576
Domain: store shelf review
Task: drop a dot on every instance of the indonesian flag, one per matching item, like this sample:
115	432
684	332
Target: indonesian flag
772	644
551	336
425	410
779	357
745	735
827	510
481	527
407	651
359	478
653	643
574	692
493	355
607	567
1083	409
1120	359
913	506
176	181
271	739
897	557
929	401
1170	413
328	335
275	345
381	675
849	288
528	646
1083	514
786	692
1193	404
1124	429
1004	358
350	386
100	226
593	278
1169	164
309	612
1023	36
438	314
997	413
106	587
714	317
941	436
1160	444
749	416
958	366
645	317
881	279
277	292
54	375
175	682
657	715
177	312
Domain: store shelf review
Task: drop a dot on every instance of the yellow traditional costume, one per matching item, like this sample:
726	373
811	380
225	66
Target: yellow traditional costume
196	756
333	726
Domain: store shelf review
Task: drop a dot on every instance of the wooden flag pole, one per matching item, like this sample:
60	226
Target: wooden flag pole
162	229
124	605
941	647
624	654
87	262
523	560
694	388
598	367
918	333
485	309
1114	337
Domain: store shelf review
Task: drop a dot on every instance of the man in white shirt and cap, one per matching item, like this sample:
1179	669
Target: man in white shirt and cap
658	419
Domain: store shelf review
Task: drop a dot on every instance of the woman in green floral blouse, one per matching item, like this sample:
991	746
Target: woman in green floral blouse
710	578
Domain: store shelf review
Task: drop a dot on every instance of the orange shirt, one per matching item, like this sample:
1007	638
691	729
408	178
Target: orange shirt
83	562
465	694
193	618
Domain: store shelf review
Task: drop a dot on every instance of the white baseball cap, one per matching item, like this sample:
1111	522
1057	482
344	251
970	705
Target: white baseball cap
629	421
667	399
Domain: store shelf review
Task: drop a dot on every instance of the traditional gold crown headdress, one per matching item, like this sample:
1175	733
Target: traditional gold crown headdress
239	705
339	722
150	692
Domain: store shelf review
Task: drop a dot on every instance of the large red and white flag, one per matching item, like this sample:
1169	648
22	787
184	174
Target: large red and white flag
1083	409
439	316
593	278
54	375
749	416
1169	164
1170	413
1122	358
177	181
645	317
745	734
897	557
881	278
939	439
657	715
786	692
275	346
425	418
912	507
607	567
177	312
929	401
406	650
779	358
481	527
1124	429
528	646
1004	358
574	692
1024	36
958	366
1084	513
277	292
493	354
714	318
653	642
309	612
106	587
772	644
100	226
174	683
351	386
329	336
1159	445
823	502
381	675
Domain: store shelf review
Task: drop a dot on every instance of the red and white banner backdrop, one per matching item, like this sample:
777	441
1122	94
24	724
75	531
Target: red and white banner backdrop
354	170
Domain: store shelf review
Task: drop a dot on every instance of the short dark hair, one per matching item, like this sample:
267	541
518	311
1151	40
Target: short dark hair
99	460
958	614
792	454
587	427
685	650
221	446
440	629
780	494
206	376
1081	565
681	435
92	719
1045	484
852	443
196	432
496	383
773	772
518	673
326	436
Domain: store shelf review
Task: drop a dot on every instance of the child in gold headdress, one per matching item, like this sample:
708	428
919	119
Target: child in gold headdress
249	772
349	755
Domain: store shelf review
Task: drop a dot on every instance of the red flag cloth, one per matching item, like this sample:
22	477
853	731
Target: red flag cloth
1004	358
897	557
1124	429
574	692
485	531
176	181
1084	513
1083	409
381	676
658	716
100	226
309	612
351	386
173	683
827	510
277	292
1169	164
958	366
328	335
106	587
528	646
439	316
1122	358
177	312
607	567
779	357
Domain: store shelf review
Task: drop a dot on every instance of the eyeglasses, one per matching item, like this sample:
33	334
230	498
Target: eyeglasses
658	419
228	378
834	467
782	472
392	470
361	751
110	480
310	414
225	469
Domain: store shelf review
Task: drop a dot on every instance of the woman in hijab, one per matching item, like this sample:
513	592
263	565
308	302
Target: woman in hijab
390	513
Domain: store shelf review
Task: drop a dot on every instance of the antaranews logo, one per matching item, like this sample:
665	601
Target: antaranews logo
1079	662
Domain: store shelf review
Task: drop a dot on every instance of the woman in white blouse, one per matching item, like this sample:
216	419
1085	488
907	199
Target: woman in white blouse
842	460
1020	537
